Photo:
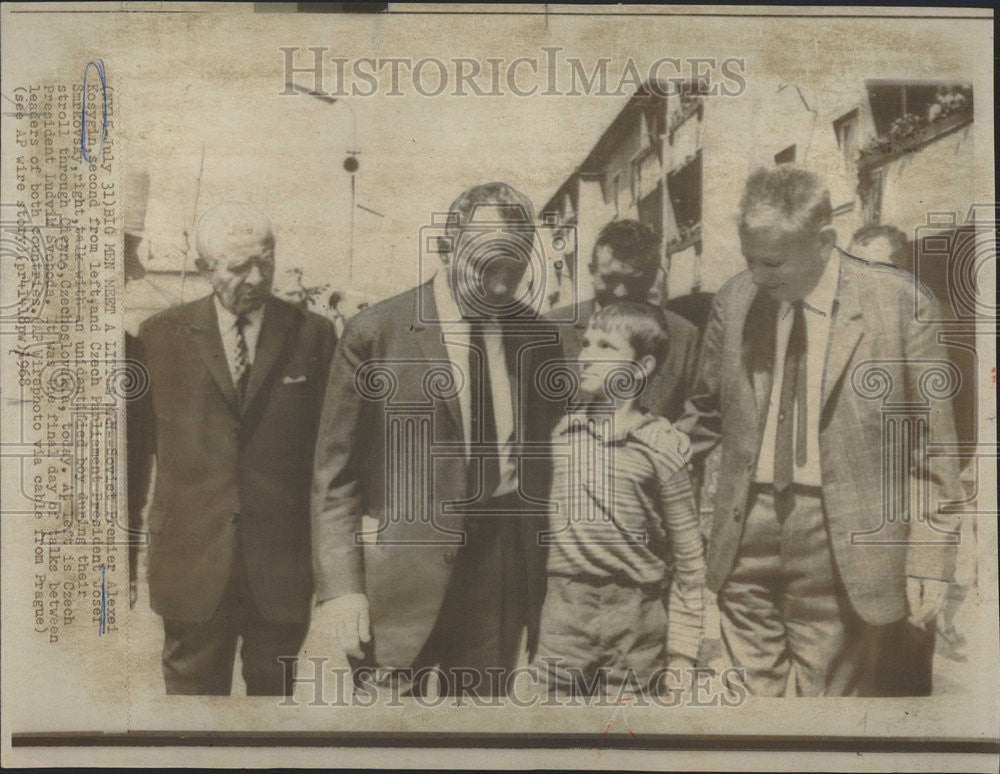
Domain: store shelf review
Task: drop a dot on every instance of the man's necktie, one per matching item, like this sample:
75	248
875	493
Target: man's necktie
790	444
482	420
241	363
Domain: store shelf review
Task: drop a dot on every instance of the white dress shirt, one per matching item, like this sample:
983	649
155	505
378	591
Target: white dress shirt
456	342
227	329
818	309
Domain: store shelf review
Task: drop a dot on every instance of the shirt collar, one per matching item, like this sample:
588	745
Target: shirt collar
580	420
227	319
820	298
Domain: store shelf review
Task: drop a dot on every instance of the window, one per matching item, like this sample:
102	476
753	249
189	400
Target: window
926	101
569	211
645	135
846	130
695	87
787	156
684	187
871	186
646	173
650	209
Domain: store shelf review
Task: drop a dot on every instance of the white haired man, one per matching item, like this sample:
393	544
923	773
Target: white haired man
816	550
236	381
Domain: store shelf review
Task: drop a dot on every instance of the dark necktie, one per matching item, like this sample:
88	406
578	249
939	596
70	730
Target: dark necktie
242	362
482	420
790	444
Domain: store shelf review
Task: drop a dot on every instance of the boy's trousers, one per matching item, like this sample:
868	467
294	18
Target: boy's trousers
600	637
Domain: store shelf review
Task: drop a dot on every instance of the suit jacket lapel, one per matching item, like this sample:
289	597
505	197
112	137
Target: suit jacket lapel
429	339
846	329
278	321
208	341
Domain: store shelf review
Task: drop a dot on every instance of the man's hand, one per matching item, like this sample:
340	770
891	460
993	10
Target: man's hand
925	596
346	618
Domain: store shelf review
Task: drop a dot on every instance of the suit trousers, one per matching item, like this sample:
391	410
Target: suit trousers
198	657
475	642
784	612
905	665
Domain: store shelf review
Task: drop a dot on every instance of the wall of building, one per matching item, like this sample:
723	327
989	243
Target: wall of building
936	178
619	163
594	212
726	163
156	292
739	135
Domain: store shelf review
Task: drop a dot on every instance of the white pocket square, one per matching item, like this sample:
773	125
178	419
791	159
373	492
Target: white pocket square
293	379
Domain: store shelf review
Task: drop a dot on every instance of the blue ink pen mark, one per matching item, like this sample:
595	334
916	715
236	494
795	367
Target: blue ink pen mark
99	66
103	624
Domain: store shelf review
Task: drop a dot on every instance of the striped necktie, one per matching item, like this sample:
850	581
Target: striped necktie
241	363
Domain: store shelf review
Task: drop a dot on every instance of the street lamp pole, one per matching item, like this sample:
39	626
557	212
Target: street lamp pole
351	165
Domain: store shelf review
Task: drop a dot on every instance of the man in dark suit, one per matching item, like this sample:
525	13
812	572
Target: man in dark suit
138	433
623	267
432	467
236	381
827	532
139	440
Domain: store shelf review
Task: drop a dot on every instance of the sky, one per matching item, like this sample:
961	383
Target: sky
285	153
197	96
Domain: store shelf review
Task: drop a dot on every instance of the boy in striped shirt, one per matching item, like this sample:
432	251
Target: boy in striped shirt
623	520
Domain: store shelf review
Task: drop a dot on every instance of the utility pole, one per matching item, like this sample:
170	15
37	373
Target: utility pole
351	165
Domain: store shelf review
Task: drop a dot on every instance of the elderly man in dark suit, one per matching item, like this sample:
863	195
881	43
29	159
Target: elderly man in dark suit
623	267
236	382
432	467
819	547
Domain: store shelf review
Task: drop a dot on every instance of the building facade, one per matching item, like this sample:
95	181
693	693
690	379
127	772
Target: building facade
890	151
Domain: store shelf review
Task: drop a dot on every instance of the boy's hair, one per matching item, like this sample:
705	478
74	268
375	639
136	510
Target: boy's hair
645	326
